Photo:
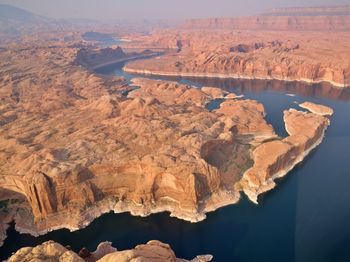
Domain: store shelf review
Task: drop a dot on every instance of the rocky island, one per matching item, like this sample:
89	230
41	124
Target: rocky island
74	142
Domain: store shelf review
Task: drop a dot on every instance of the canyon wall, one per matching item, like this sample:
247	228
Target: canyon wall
310	57
331	18
336	10
285	23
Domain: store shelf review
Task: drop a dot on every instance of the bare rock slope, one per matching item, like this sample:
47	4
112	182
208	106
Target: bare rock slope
73	147
51	251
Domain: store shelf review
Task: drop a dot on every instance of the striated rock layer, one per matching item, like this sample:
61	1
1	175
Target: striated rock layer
73	147
313	57
51	251
275	159
273	22
323	18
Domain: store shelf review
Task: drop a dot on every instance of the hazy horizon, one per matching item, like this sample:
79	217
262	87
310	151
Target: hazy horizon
158	9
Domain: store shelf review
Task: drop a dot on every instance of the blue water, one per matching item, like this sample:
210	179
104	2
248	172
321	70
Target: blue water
306	218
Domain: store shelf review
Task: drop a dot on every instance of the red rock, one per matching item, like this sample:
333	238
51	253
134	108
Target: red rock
317	109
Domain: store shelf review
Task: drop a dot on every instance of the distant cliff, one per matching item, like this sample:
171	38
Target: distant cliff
335	18
294	23
316	11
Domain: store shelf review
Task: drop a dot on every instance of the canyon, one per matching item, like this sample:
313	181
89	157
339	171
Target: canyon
291	44
74	142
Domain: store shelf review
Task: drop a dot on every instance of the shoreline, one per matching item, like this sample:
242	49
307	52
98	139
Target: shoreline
230	76
271	184
136	210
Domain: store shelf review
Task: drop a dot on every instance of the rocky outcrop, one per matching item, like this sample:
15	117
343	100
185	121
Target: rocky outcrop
152	251
214	92
317	109
51	251
275	159
48	251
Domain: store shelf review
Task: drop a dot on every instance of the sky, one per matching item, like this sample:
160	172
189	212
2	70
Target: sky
157	9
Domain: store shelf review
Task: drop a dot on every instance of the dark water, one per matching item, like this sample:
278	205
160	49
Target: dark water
306	218
112	42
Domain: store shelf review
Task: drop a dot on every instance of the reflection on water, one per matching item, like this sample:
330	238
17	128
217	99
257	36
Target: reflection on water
240	86
305	218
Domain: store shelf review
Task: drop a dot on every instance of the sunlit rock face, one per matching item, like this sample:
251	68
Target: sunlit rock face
295	56
276	158
73	147
51	251
328	18
317	109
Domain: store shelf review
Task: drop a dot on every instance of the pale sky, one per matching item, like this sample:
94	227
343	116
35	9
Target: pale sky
157	9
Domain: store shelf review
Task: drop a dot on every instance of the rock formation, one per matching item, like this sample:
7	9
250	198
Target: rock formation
275	159
72	143
317	109
48	251
295	56
281	23
51	251
335	10
331	18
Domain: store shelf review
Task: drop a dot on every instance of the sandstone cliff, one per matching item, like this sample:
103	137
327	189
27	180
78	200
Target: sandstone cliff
281	23
262	55
327	18
335	10
275	159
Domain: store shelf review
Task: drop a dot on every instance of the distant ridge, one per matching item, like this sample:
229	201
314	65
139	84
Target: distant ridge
330	18
310	11
12	13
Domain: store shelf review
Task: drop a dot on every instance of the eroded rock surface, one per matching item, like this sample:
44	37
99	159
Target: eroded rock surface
51	251
313	58
73	147
276	158
317	109
48	251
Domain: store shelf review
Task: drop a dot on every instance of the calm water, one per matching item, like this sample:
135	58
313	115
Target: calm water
306	218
